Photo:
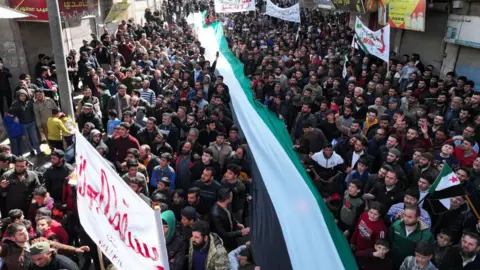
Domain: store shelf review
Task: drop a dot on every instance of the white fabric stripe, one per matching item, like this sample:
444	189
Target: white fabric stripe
446	183
304	229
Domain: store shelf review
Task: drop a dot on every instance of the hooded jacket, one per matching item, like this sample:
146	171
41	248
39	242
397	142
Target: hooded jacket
217	258
23	109
176	247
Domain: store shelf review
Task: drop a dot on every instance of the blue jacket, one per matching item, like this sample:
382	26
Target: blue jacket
14	129
158	173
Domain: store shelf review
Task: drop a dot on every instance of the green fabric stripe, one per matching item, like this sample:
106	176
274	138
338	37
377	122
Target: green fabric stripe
364	48
446	170
277	127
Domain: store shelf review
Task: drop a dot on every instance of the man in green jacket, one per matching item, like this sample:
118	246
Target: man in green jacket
405	233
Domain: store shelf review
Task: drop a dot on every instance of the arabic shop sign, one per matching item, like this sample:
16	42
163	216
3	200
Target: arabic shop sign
349	5
69	9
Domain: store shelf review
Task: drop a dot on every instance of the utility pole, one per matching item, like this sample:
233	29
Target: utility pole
64	88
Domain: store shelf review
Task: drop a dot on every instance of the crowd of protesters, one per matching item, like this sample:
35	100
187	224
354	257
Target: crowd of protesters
373	142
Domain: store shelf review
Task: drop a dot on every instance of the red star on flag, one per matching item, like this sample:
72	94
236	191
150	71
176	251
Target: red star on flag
453	179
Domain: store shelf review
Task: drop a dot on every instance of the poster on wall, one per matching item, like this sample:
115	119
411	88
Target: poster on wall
463	30
230	6
349	5
408	15
70	10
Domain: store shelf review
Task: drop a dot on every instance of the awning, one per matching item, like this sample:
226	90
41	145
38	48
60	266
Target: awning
118	12
10	13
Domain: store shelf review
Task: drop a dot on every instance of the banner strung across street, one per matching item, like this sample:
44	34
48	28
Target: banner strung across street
408	15
229	6
291	14
69	9
117	219
374	43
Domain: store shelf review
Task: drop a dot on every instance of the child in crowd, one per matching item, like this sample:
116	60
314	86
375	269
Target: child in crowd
442	245
14	131
370	227
376	258
113	121
421	260
44	229
353	206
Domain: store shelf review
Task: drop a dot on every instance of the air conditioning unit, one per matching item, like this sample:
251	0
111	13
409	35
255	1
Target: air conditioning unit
457	4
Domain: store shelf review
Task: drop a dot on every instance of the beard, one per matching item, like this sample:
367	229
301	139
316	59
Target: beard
467	254
20	173
422	166
198	246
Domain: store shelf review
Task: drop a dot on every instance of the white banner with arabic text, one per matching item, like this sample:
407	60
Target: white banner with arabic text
374	43
230	6
117	219
291	14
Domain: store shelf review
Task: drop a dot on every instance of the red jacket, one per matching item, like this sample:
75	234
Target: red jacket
367	232
59	231
459	155
464	161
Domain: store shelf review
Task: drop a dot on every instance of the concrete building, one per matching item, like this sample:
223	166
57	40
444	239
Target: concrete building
22	41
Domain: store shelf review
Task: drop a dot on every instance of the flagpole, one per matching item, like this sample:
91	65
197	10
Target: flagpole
472	206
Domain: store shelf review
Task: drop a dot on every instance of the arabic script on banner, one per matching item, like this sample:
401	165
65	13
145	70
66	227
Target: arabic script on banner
291	14
228	6
374	43
116	218
69	9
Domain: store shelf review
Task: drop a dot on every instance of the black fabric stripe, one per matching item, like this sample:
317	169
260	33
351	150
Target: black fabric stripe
454	191
269	249
268	245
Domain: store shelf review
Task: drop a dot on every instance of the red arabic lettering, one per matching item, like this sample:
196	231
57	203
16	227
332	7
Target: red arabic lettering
118	220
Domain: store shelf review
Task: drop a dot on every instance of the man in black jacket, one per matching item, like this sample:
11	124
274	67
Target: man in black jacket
56	175
465	256
17	186
5	89
223	222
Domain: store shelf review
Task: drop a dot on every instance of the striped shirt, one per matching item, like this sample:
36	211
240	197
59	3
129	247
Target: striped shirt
148	95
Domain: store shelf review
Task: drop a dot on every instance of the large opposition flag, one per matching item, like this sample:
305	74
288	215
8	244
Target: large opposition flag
124	227
374	43
446	186
291	227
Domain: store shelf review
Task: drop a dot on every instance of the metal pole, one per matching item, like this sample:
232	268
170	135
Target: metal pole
64	88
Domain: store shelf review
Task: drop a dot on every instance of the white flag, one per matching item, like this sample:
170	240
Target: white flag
345	60
117	219
291	14
230	6
374	43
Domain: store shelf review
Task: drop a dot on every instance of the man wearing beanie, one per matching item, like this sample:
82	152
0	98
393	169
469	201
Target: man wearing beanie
45	257
189	216
424	167
392	159
411	198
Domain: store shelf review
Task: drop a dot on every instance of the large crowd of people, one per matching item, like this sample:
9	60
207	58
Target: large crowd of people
373	141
